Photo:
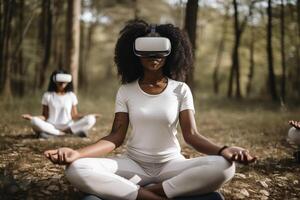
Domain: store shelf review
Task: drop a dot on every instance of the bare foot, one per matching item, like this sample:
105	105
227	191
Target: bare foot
295	124
27	116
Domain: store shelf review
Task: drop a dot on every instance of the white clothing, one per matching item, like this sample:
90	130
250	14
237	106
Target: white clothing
120	178
294	136
82	125
60	107
154	119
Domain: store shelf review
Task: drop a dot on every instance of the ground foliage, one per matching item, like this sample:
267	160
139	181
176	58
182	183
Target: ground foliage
26	174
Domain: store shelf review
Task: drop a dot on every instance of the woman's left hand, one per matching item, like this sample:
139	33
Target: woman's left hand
238	154
96	115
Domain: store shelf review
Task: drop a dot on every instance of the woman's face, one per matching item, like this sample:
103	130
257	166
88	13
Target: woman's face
153	64
61	86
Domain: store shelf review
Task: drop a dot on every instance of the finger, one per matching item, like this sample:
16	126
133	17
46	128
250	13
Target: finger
253	159
53	158
250	158
65	158
241	156
246	157
52	151
234	157
60	156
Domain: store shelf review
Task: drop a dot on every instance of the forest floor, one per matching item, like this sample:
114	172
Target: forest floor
259	126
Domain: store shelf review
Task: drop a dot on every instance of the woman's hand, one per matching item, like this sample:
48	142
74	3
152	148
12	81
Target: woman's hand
96	115
27	116
238	154
295	124
62	156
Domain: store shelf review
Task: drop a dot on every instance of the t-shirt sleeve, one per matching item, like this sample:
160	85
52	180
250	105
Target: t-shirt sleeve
45	99
74	99
187	102
121	102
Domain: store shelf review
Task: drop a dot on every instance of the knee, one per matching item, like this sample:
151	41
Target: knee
75	171
224	169
294	136
90	120
228	171
35	120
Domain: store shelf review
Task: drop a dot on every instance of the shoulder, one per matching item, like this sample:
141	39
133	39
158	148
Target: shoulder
72	95
47	94
178	86
127	87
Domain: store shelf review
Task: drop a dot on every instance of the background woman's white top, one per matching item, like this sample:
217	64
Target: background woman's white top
60	107
154	119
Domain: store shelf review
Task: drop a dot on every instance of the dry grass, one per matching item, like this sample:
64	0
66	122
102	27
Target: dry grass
259	126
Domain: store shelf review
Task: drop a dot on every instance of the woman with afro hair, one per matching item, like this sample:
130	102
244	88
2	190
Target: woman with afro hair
152	60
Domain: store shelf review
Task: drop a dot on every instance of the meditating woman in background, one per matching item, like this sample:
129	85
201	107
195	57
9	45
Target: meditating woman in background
151	59
294	137
60	110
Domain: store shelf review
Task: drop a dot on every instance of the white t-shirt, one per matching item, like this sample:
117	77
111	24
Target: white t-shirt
60	107
154	119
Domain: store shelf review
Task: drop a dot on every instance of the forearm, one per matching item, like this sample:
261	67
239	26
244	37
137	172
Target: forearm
202	144
104	146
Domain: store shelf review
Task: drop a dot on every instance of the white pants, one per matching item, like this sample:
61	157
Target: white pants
120	178
294	136
84	124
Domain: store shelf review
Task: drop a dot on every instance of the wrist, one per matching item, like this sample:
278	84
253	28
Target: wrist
221	150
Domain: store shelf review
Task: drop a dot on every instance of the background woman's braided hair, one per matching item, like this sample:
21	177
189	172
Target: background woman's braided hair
178	63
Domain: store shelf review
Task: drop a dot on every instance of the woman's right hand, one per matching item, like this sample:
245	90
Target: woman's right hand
295	124
62	156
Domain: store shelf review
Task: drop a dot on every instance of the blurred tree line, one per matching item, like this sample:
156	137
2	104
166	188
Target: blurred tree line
243	48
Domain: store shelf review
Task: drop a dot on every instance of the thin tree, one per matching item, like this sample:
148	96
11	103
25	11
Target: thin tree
251	61
8	15
18	66
282	42
46	38
220	51
298	48
269	48
239	28
72	39
1	43
190	26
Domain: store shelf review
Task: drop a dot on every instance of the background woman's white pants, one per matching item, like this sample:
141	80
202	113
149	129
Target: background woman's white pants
120	178
84	124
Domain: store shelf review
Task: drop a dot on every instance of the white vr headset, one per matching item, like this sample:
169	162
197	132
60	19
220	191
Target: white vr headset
152	47
65	78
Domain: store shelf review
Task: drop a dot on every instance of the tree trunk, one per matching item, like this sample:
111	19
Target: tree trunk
282	42
272	79
18	68
1	43
190	27
46	37
58	44
72	39
8	10
298	49
251	63
216	80
234	71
